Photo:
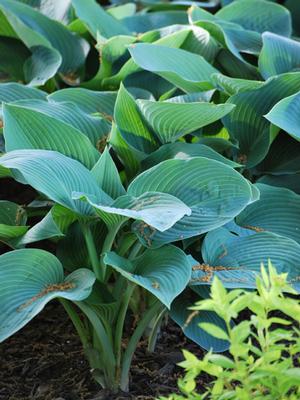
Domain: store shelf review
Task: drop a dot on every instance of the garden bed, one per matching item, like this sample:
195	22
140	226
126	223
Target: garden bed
45	361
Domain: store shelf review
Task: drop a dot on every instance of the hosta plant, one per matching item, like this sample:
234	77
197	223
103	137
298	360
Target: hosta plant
161	144
264	350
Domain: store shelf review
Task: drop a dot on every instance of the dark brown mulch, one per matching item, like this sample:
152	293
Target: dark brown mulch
44	361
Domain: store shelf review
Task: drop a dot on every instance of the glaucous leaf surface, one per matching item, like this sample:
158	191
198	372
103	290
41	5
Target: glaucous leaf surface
164	272
215	199
30	278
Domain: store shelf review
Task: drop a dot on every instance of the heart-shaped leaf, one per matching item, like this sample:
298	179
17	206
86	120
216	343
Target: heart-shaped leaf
285	115
26	126
236	260
278	55
55	175
30	278
171	120
164	272
214	192
276	211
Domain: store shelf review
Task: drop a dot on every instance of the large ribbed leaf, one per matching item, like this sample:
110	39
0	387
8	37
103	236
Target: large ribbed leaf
181	314
215	192
143	22
131	124
277	211
170	39
285	114
233	86
231	35
199	41
54	9
278	55
164	272
128	156
87	100
29	279
35	29
10	92
107	175
41	66
12	221
55	175
97	19
259	16
181	150
170	120
53	225
94	127
158	210
246	122
237	260
26	126
190	72
291	182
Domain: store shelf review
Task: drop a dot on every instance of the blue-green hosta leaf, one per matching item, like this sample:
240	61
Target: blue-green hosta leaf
291	182
41	66
94	127
129	156
30	278
199	41
26	126
276	211
173	39
131	124
233	86
232	36
107	175
164	272
215	192
184	151
237	260
192	97
12	221
89	101
190	72
170	120
140	23
159	210
53	225
259	16
11	91
122	11
278	55
98	20
181	314
285	114
56	176
35	29
110	51
246	122
54	9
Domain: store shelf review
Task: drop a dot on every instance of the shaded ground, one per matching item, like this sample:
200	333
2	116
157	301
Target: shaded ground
44	361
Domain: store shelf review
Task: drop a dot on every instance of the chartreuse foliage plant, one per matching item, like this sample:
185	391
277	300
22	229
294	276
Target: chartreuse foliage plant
161	142
263	351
